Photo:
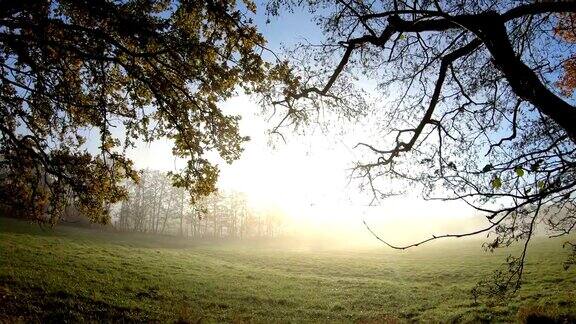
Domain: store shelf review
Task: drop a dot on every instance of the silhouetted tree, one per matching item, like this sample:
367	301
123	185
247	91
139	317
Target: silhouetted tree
473	105
116	71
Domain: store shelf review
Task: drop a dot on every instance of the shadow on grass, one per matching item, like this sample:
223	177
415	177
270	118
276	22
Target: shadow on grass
33	304
544	314
37	305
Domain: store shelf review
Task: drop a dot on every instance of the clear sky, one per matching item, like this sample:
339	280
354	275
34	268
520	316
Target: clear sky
307	177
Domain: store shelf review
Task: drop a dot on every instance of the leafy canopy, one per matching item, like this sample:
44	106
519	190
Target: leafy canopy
125	71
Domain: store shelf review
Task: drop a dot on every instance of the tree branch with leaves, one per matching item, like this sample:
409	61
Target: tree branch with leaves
127	71
470	101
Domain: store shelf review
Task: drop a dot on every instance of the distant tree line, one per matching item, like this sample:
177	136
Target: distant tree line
155	206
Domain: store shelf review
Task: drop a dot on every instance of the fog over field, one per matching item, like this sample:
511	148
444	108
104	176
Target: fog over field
283	161
306	181
139	277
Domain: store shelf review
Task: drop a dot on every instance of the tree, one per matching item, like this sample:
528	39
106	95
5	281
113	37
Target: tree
154	206
125	71
472	106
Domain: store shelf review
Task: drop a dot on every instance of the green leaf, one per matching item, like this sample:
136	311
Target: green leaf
487	168
519	171
496	183
541	184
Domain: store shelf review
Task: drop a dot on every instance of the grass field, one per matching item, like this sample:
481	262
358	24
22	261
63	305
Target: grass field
73	274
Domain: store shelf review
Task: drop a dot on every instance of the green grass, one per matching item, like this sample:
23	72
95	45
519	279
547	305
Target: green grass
73	274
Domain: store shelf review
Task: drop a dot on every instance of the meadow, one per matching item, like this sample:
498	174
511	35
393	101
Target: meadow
79	274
